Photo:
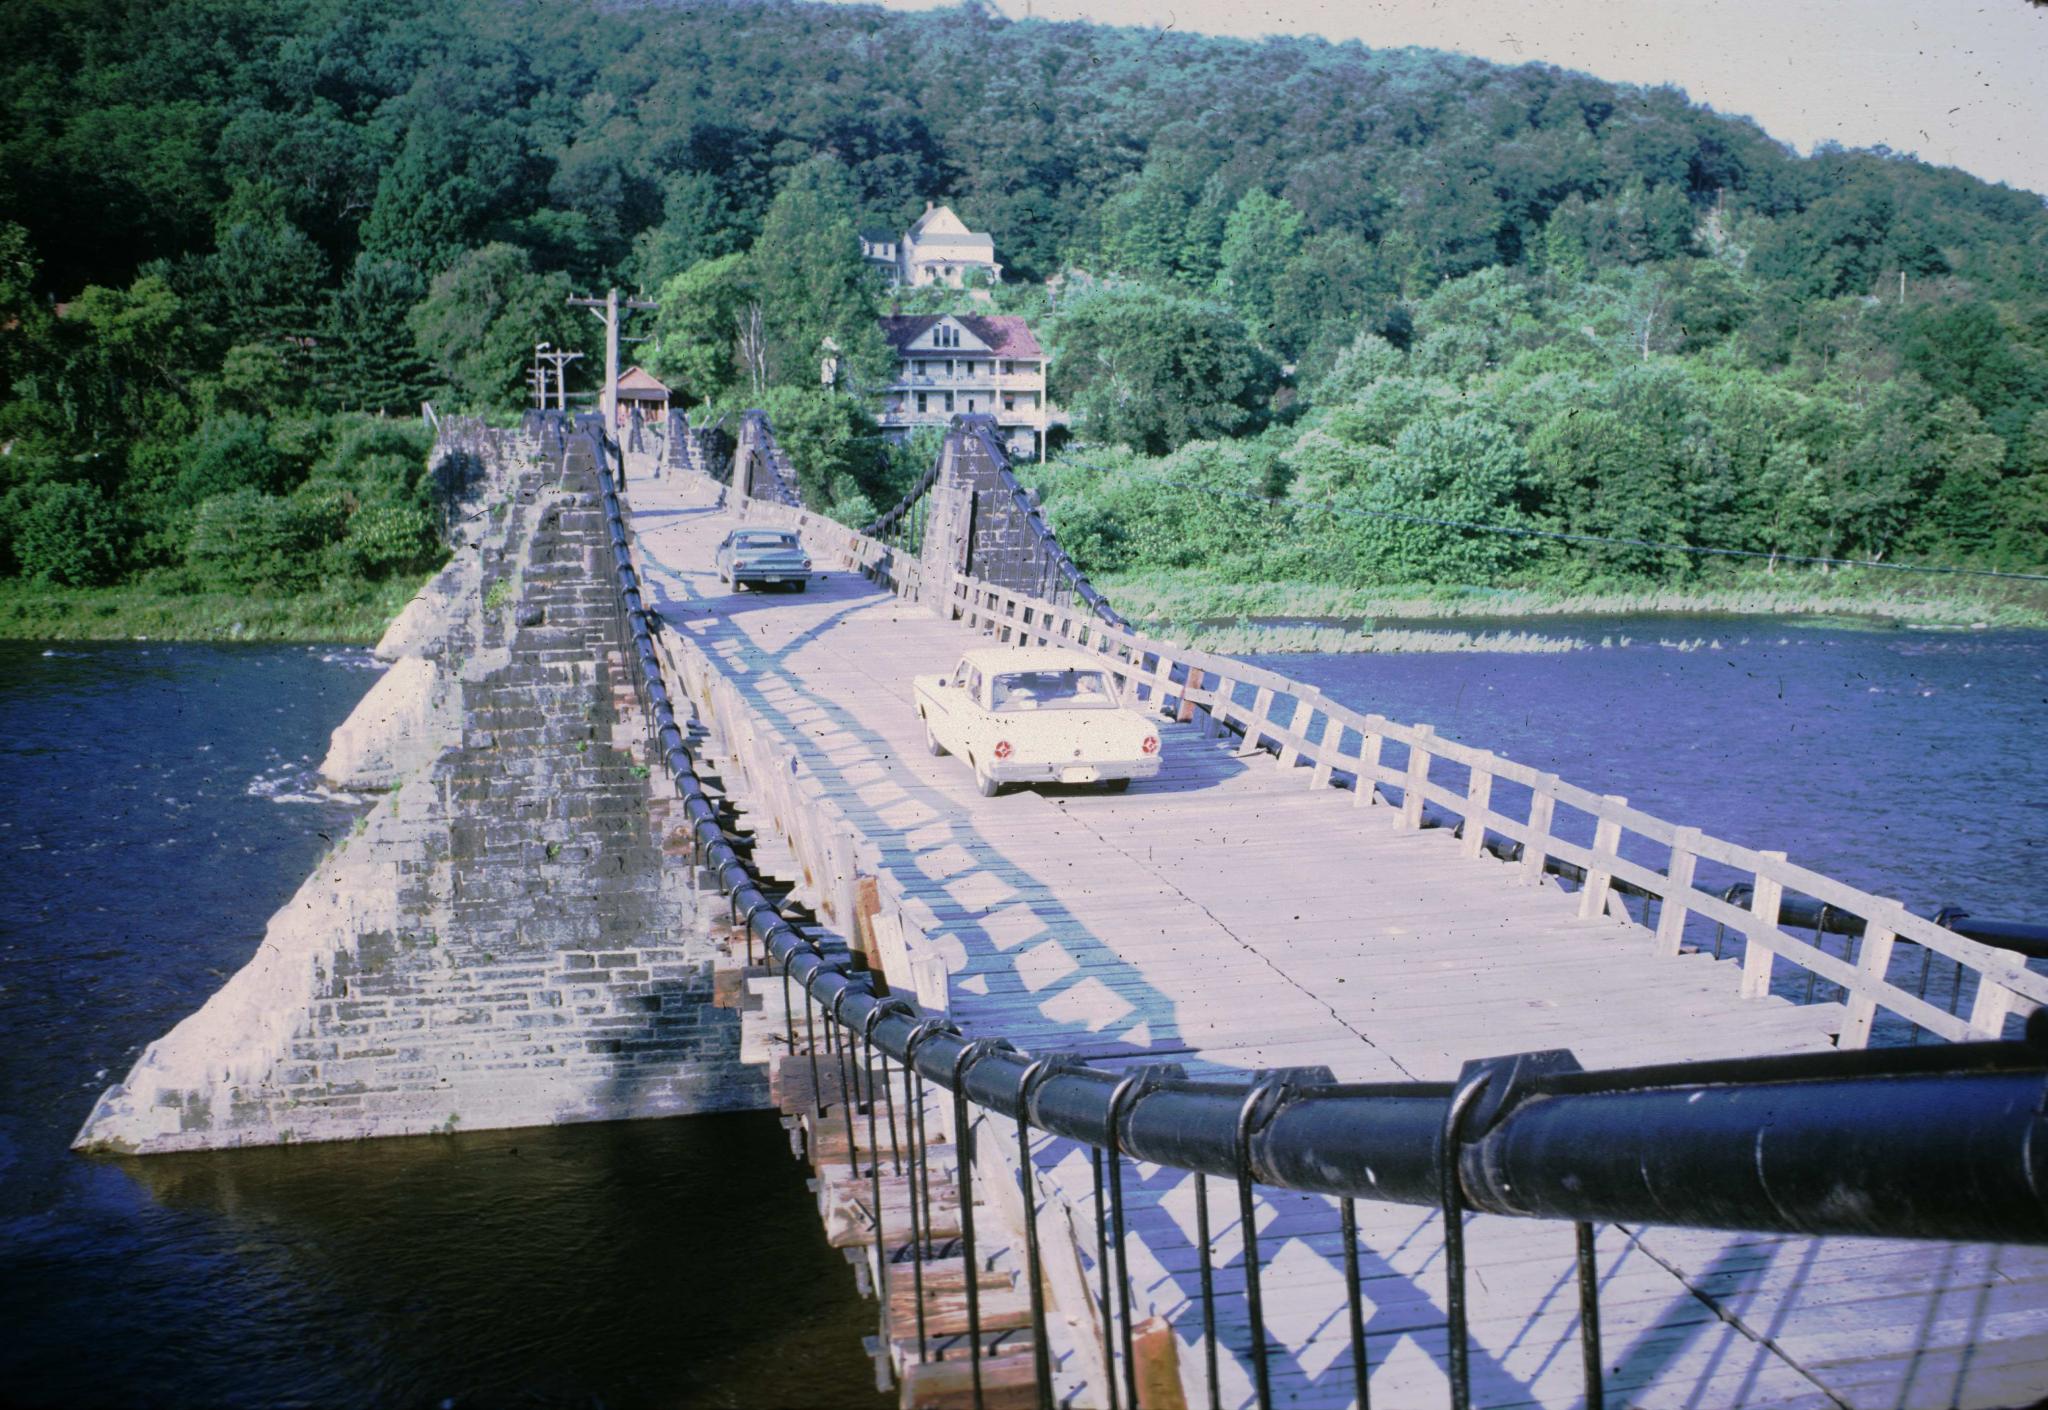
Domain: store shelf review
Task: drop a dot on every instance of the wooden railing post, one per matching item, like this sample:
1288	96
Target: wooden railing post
1221	702
1418	775
1535	847
1367	794
1763	906
1297	727
1993	1002
1326	751
1262	707
1879	936
1478	799
1677	885
1599	879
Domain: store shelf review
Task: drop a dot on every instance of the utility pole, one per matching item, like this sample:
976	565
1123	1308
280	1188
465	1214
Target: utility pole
607	310
544	352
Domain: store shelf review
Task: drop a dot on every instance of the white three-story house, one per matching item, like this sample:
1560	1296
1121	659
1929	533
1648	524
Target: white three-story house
949	364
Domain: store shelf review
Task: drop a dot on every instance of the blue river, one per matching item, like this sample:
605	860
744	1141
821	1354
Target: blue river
160	805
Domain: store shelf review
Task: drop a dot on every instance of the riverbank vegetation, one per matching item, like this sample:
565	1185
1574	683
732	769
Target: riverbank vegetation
1331	323
1196	596
351	612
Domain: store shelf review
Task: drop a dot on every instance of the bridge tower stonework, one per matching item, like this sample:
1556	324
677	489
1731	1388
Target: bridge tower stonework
501	943
982	524
759	468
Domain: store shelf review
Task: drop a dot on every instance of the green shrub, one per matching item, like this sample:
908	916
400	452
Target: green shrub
246	537
393	538
232	452
324	509
384	460
66	534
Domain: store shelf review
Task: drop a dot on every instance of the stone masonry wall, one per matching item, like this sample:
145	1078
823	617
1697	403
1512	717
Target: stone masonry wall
977	528
501	943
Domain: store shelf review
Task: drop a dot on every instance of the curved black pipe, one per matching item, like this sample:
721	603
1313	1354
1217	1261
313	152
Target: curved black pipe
1947	1143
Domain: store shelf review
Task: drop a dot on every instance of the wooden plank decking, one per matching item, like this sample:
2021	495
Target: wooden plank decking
1226	917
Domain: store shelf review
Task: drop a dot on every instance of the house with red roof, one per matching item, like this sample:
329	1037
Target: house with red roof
948	364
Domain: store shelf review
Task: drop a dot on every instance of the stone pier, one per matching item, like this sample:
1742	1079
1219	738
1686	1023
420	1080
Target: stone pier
499	943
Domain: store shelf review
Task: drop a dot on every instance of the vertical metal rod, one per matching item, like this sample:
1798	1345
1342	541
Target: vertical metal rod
1589	1315
1115	1159
1247	1220
1102	1278
1208	1290
1123	1273
788	1005
920	1174
924	1167
1041	1352
920	1210
1352	1296
845	1068
1819	931
875	1194
1720	931
1452	1197
889	1100
811	1046
1926	958
867	1037
963	1163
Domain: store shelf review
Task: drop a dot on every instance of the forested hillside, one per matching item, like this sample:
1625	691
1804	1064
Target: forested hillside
1298	289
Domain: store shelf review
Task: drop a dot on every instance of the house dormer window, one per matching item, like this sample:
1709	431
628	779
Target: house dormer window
945	336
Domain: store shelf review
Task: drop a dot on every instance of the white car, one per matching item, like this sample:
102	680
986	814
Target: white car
1036	715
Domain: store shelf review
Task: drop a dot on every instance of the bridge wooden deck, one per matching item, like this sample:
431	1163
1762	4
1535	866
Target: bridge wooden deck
1224	917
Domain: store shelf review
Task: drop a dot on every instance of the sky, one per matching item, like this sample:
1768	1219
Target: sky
1957	82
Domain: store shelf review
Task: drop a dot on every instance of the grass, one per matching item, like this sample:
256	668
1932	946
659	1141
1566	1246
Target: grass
341	612
1201	602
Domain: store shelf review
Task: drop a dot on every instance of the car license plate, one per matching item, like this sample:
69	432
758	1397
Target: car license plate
771	577
1082	775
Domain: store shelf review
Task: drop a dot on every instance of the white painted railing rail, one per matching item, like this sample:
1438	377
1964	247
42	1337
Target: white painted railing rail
1343	748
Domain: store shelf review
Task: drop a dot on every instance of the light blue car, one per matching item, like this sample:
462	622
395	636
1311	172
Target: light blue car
763	558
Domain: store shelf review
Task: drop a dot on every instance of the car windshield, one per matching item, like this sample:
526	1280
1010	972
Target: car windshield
1054	690
760	540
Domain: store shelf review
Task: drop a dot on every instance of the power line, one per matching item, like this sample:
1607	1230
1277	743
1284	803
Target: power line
1523	531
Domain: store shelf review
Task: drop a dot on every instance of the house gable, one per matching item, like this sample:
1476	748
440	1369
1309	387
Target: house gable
950	335
938	221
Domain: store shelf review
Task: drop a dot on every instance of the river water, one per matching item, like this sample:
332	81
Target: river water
159	807
1909	763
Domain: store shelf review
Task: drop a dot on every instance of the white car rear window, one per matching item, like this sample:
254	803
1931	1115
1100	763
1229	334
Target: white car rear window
1053	690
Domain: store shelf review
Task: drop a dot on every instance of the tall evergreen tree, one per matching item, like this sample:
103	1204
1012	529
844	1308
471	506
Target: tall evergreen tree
814	285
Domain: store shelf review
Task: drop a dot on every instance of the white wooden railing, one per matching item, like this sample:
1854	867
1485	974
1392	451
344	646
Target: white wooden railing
1659	862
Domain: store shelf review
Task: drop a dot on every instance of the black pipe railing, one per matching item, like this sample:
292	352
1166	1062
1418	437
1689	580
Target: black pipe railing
1940	1143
